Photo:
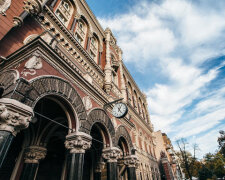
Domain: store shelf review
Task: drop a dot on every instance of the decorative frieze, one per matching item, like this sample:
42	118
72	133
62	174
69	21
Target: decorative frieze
111	154
14	116
78	142
34	154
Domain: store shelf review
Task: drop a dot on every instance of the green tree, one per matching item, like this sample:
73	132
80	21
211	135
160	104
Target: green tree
188	161
221	141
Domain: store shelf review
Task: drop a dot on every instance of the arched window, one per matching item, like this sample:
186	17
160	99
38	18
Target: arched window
81	31
94	48
64	11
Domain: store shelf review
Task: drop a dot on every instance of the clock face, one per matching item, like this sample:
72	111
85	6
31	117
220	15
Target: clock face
120	110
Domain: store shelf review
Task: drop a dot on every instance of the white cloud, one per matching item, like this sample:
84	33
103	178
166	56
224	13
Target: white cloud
177	36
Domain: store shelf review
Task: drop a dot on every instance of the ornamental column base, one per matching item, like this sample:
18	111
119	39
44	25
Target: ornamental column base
77	143
33	155
14	116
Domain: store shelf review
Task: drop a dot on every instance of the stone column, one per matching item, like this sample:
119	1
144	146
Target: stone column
111	154
108	68
77	143
33	155
131	162
14	116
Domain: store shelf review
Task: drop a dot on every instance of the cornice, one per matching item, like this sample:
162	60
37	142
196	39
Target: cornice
133	82
69	36
91	14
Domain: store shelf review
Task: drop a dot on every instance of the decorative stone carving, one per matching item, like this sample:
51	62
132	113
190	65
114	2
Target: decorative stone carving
32	6
17	21
78	142
131	161
33	64
14	116
4	5
87	102
34	154
111	154
98	115
122	132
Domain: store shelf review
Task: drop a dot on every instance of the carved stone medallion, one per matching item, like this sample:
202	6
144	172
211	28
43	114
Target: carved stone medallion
87	102
33	64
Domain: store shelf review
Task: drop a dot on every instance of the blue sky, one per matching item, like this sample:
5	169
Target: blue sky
175	50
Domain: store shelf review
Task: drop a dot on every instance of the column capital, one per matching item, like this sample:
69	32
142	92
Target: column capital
34	154
78	142
14	116
111	154
32	6
131	161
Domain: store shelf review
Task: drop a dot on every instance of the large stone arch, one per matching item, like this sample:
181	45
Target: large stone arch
29	92
122	132
98	116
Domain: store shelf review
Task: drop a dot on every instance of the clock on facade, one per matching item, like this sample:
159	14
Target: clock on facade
120	110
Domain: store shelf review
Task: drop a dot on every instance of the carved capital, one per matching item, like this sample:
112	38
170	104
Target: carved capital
131	161
34	154
111	154
14	116
32	6
78	142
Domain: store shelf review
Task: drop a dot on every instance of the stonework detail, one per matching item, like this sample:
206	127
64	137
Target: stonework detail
14	116
131	161
111	154
98	115
8	81
32	6
78	142
4	6
34	154
87	102
122	132
33	64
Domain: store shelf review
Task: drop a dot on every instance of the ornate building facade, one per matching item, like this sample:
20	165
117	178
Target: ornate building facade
168	161
58	68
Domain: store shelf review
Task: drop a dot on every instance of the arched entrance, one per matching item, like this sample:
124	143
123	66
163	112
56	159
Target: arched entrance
39	151
94	165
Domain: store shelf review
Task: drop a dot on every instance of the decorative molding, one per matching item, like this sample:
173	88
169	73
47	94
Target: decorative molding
14	116
4	6
111	154
32	6
78	142
100	116
33	64
122	132
34	154
87	102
